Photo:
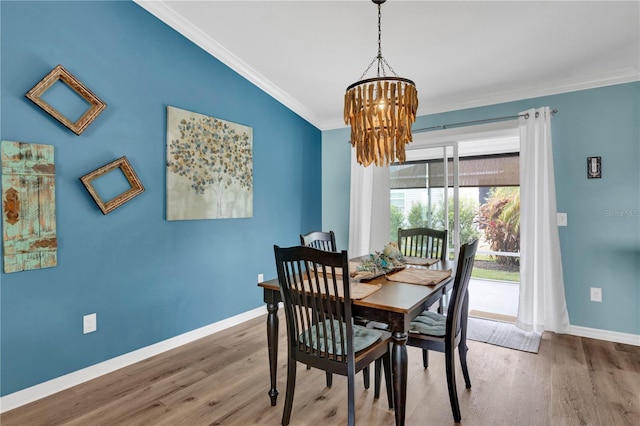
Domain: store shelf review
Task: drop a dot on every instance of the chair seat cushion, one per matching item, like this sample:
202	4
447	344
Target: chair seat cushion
362	337
429	323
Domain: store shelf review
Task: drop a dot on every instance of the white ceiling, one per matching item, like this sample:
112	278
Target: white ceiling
459	53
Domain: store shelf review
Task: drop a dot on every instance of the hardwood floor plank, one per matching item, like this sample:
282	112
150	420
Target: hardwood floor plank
519	402
573	402
120	410
223	379
617	394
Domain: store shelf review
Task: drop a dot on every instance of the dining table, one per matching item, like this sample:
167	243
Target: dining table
396	304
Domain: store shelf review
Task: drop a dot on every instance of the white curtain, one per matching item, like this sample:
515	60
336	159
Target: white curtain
369	212
542	300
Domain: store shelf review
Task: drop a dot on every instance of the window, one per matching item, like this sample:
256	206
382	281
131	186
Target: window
398	200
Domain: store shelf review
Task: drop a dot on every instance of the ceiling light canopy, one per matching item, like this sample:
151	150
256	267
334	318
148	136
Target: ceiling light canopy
380	111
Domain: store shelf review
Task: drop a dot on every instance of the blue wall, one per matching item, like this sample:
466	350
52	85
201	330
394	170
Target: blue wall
147	279
601	245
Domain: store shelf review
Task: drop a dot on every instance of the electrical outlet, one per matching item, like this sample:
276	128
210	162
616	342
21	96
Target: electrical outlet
89	323
562	219
596	294
260	278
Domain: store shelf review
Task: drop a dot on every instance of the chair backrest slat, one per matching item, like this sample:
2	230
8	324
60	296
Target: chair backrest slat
423	242
459	295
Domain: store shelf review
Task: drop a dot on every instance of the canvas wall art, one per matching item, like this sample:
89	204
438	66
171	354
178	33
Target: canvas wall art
28	206
209	167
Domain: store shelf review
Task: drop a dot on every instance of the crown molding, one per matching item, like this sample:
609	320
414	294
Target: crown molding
626	75
169	16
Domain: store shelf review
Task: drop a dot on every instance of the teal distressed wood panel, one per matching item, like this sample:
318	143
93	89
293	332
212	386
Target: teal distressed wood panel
28	206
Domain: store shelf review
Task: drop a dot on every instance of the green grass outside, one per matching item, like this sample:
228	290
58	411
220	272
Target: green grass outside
492	274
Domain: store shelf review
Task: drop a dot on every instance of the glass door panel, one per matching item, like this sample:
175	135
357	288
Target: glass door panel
424	192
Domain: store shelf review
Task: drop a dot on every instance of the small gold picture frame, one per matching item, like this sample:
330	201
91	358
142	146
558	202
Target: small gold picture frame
59	73
124	165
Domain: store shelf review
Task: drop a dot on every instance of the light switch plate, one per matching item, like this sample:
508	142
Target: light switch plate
562	219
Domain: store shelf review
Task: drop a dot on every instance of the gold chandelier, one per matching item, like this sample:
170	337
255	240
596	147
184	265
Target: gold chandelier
380	111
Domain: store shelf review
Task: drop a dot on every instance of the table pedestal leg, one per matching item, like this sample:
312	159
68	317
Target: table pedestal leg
399	367
272	341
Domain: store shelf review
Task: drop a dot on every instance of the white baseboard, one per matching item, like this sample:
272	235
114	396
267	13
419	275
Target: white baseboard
611	336
33	393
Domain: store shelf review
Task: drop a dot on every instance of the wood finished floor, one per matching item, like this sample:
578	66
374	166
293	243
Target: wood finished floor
223	379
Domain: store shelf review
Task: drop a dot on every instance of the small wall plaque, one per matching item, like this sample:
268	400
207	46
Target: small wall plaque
124	165
594	167
61	74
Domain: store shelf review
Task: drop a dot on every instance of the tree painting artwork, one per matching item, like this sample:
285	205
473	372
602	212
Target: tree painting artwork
209	167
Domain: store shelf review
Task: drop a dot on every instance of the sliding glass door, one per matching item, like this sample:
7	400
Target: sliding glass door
469	185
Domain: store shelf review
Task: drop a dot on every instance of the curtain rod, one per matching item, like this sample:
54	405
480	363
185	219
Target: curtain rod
465	123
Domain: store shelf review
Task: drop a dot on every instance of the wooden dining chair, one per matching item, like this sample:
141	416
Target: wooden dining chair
433	331
423	242
427	243
327	241
315	290
320	240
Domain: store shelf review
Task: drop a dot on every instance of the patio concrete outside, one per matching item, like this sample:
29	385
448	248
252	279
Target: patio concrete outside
497	297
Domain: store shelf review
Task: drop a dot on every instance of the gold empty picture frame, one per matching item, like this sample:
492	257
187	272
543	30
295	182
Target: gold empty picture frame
124	165
61	74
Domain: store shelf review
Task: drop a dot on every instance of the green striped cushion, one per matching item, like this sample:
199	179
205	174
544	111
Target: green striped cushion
430	323
362	337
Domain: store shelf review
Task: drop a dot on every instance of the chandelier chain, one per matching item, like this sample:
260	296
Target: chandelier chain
380	40
368	68
382	64
389	66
